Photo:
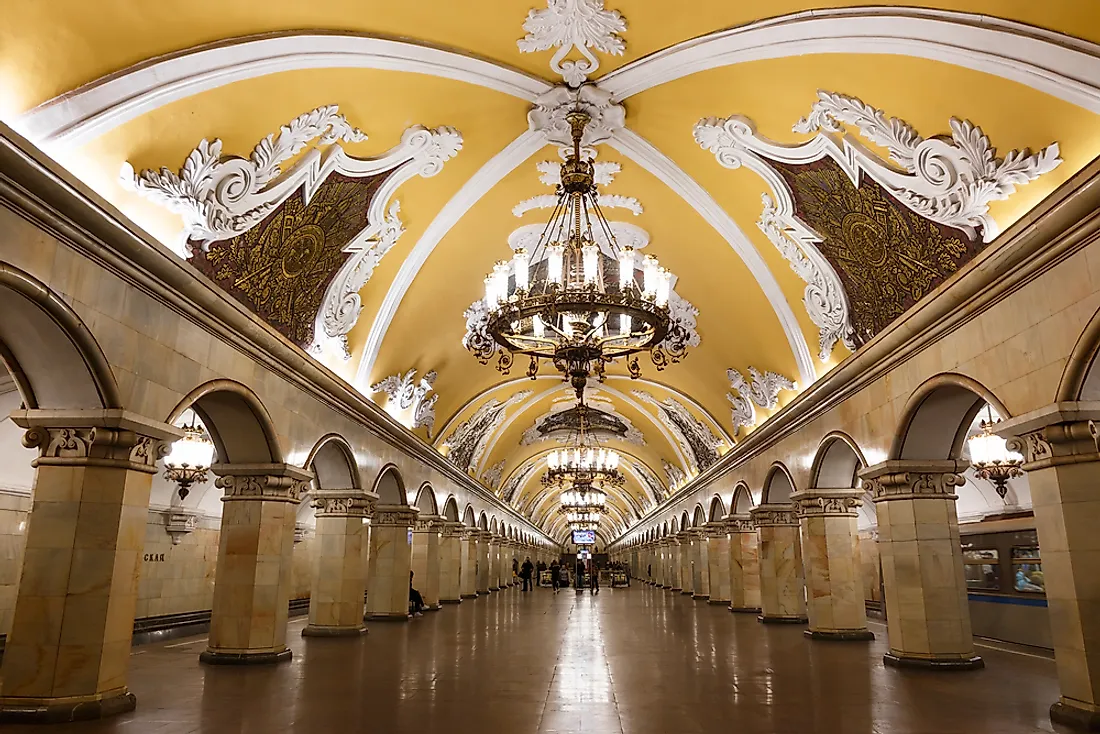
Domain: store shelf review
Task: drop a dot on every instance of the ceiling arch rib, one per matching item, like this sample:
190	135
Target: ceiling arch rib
1062	66
95	108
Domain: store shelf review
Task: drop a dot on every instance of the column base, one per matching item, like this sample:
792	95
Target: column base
744	610
216	657
775	619
470	596
724	602
1064	712
686	592
58	711
840	635
430	608
703	597
904	661
312	630
673	588
451	601
388	617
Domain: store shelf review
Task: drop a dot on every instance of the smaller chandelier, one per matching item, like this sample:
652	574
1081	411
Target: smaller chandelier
584	463
583	497
990	457
190	458
586	517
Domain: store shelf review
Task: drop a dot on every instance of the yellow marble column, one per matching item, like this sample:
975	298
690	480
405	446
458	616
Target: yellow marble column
68	651
927	612
390	562
255	551
782	584
1062	462
452	557
494	561
687	562
744	564
834	590
674	564
426	559
483	566
336	596
718	566
700	565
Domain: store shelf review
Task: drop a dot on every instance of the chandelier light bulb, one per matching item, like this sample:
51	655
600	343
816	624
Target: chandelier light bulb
521	264
590	255
626	268
537	327
624	325
555	257
664	286
490	292
650	275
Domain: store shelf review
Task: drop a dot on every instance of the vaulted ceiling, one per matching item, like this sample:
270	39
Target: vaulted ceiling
100	85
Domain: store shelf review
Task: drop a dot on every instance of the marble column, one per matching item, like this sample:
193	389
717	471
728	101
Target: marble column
782	584
744	564
390	562
255	551
336	597
68	651
495	558
468	550
700	565
718	562
484	553
1062	462
675	548
687	565
426	559
452	553
927	612
834	590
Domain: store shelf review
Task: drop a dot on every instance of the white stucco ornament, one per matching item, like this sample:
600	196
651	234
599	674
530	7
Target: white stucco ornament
574	24
547	115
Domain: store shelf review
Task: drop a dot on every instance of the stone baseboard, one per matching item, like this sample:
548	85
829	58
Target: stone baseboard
723	602
772	619
1066	713
745	610
701	597
32	711
903	661
214	657
322	631
840	635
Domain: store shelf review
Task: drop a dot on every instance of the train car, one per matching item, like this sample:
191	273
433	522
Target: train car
1003	567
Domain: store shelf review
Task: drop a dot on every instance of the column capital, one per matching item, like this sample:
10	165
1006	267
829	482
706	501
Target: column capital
898	479
842	502
343	502
684	536
1059	434
262	482
452	529
774	515
394	515
739	523
110	438
716	529
428	524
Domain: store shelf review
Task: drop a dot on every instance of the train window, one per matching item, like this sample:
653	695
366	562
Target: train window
1027	570
982	569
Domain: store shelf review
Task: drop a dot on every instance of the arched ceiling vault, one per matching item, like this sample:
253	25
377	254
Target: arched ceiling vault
100	85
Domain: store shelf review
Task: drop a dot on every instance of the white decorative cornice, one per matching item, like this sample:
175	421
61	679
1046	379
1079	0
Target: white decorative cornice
951	182
548	115
573	24
405	393
947	182
222	197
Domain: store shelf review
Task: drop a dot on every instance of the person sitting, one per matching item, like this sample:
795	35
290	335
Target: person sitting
416	601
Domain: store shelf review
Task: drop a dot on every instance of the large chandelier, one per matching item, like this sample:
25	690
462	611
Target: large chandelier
558	303
189	459
584	463
990	457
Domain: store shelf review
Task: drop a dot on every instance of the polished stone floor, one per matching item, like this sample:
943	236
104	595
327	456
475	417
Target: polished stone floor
634	660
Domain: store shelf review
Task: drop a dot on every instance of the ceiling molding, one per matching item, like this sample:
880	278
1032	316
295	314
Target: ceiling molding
645	154
74	118
1062	66
486	177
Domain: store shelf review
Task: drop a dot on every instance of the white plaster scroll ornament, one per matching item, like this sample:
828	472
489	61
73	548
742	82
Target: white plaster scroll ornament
407	392
762	391
547	116
220	197
574	24
947	180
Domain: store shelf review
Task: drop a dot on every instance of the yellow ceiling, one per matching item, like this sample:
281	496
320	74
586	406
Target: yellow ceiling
48	49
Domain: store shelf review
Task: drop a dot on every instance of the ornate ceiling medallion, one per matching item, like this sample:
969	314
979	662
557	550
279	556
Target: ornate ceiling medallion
949	182
557	302
407	399
224	199
574	24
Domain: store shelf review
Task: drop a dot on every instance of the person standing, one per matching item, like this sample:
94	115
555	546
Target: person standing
526	571
593	578
555	580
